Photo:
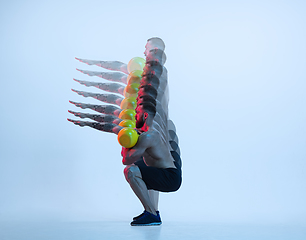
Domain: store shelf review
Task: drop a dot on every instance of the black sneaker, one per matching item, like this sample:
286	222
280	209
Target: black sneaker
135	218
147	219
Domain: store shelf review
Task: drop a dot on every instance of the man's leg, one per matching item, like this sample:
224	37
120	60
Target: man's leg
134	178
154	195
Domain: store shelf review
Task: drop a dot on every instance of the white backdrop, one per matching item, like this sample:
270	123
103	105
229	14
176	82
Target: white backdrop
237	96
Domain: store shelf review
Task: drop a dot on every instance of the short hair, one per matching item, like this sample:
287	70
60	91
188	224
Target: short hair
156	66
159	55
153	63
149	90
149	108
152	80
147	98
157	41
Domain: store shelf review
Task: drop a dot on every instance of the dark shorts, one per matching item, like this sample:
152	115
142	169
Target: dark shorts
162	179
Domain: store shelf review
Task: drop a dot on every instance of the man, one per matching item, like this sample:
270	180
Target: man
155	58
161	172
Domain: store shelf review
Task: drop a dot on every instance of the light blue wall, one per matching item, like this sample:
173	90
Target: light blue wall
237	95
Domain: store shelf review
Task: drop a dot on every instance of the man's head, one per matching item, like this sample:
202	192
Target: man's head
146	99
153	68
157	55
150	80
154	43
147	90
145	113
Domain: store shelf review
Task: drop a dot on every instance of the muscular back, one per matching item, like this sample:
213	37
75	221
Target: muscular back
156	154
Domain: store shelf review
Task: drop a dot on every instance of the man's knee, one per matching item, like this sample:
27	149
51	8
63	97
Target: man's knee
131	171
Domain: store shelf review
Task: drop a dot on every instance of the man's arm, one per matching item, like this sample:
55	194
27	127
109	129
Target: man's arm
131	155
105	109
108	87
111	76
110	65
104	127
108	97
102	118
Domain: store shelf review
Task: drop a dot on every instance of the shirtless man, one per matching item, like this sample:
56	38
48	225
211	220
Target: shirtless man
153	52
161	172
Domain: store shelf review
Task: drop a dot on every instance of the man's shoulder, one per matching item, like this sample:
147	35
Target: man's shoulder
149	136
150	133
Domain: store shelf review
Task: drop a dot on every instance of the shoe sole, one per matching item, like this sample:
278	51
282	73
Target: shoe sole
147	224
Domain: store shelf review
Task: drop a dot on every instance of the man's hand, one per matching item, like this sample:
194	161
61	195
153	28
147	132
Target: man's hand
123	152
131	155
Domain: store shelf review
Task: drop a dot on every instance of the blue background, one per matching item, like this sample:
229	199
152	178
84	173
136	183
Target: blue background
236	72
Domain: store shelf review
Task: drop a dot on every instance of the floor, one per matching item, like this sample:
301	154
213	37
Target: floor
167	231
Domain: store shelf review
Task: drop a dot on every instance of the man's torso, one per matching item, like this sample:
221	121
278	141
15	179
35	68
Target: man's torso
157	154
